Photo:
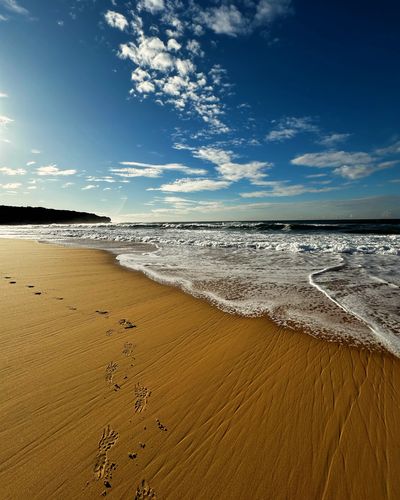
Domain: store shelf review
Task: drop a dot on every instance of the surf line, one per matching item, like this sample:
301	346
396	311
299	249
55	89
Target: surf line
381	336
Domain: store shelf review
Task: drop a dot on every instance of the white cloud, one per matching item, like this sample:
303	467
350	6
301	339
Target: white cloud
224	20
184	66
173	44
333	139
11	185
145	87
139	75
5	120
183	206
173	80
350	165
30	163
3	18
89	186
289	127
373	207
282	188
332	159
12	171
254	171
150	52
214	155
3	95
14	6
35	151
105	178
53	170
67	184
281	135
152	6
200	91
393	149
116	20
174	84
229	20
269	10
194	47
192	185
137	169
354	172
315	176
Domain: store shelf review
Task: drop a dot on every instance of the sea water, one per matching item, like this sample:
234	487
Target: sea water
334	279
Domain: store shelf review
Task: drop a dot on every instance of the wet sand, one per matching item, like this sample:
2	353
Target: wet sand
114	385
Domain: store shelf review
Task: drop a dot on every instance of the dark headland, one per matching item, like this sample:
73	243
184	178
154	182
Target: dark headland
40	215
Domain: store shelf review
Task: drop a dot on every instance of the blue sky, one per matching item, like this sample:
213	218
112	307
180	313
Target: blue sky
184	110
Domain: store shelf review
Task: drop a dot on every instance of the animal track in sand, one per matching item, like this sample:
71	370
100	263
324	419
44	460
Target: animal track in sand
72	308
110	370
38	293
128	349
12	282
144	490
59	298
141	395
101	312
102	467
30	286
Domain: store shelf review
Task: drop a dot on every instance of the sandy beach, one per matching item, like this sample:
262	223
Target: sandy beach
112	384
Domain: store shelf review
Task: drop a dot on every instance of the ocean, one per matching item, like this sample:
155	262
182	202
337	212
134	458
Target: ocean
338	280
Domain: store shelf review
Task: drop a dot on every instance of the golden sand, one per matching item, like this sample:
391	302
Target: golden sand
190	403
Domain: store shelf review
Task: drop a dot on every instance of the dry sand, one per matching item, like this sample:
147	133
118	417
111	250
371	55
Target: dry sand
191	403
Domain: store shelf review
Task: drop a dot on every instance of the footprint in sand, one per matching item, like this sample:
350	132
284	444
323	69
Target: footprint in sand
102	467
109	332
72	308
126	324
30	286
111	368
161	426
101	312
38	293
128	349
141	395
12	282
7	277
144	490
59	298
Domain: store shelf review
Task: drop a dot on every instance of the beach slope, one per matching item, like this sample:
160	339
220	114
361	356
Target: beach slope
114	385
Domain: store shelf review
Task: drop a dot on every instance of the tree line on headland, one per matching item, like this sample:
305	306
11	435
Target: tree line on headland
39	215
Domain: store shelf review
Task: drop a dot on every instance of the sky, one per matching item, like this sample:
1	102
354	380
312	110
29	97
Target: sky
170	110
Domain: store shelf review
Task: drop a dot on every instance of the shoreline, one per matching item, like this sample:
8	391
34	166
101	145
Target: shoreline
226	406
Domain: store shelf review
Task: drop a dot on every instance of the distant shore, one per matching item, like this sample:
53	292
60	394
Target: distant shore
38	215
113	384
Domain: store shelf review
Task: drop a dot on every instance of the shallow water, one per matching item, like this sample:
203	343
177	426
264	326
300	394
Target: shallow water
335	280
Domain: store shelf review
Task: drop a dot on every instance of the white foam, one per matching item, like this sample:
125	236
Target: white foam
343	286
